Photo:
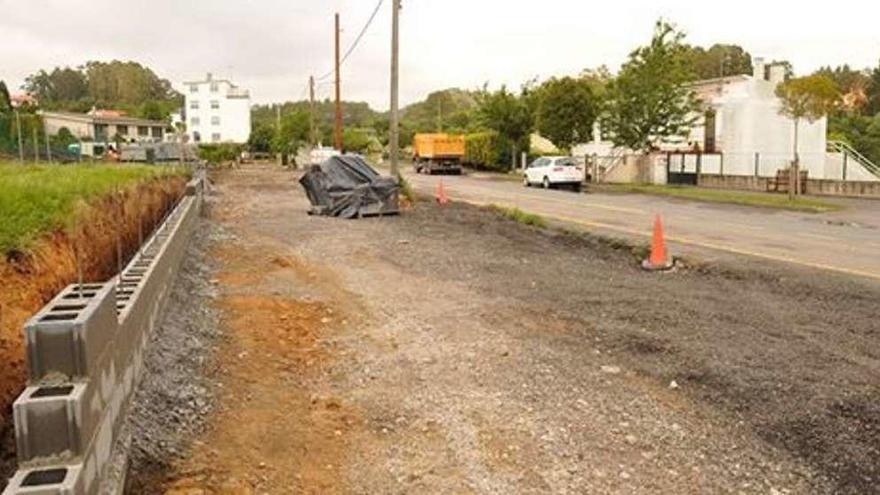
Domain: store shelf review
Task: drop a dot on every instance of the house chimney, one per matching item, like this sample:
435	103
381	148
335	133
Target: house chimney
777	74
759	69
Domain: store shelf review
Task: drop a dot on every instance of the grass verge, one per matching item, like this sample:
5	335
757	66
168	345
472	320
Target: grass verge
519	216
745	198
36	199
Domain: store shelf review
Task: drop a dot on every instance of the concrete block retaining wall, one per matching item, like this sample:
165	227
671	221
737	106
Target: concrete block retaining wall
85	356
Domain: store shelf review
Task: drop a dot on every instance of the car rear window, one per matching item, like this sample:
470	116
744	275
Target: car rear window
565	162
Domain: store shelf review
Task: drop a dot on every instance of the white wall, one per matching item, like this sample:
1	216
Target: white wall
223	113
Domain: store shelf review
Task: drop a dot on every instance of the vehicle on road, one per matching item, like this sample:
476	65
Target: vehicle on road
438	153
554	171
321	154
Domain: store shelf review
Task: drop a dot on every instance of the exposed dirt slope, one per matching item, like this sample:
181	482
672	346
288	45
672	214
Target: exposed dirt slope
29	280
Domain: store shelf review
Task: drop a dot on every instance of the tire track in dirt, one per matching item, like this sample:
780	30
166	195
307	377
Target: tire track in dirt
279	430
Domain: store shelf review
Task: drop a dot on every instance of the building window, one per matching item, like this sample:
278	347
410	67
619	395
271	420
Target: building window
194	121
215	120
215	137
197	137
100	131
157	132
194	105
122	130
215	87
143	131
193	88
215	105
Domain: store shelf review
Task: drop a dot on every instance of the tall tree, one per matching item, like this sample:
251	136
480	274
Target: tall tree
649	99
294	132
510	116
720	60
5	100
805	99
873	106
566	111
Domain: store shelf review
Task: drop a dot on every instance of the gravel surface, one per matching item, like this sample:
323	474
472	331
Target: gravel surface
176	393
449	350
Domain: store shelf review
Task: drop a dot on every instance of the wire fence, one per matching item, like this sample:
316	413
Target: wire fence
23	139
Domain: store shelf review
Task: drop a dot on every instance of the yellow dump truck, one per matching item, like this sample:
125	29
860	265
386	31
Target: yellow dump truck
438	153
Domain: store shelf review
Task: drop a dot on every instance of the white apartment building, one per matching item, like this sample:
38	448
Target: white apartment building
217	111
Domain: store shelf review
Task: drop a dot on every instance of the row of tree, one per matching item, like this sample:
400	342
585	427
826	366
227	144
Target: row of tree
126	86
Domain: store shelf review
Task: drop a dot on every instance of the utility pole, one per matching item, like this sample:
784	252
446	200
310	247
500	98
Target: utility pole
36	145
312	136
338	93
48	142
278	131
20	142
394	141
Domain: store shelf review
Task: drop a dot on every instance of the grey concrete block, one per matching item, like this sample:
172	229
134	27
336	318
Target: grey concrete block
68	337
57	422
57	480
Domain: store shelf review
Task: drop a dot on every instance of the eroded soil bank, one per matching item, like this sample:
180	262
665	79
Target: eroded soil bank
452	351
107	233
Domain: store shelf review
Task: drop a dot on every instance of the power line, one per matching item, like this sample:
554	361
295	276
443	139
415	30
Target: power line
356	41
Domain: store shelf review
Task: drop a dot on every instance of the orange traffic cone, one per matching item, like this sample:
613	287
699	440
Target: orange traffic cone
442	199
658	259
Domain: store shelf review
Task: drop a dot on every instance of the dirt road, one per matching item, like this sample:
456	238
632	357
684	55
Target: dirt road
451	351
847	241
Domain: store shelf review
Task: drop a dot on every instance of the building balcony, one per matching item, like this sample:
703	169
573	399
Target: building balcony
238	93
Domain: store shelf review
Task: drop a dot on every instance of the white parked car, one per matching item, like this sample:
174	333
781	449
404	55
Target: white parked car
552	171
319	155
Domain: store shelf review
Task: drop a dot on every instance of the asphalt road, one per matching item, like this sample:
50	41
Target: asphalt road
847	241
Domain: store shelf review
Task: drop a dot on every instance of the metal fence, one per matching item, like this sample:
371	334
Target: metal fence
833	166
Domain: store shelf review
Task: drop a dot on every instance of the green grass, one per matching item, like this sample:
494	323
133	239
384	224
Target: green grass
745	198
520	216
36	199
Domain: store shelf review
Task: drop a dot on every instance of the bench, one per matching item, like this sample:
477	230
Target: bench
780	182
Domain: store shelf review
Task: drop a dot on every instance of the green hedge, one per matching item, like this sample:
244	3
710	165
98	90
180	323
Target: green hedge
482	150
216	154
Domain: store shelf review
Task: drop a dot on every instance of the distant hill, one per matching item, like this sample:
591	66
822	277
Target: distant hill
446	110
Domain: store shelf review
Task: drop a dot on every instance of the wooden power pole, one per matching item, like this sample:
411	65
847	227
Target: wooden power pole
338	93
394	141
312	137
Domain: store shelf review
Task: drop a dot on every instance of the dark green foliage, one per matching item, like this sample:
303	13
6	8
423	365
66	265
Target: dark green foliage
126	86
719	60
482	150
293	134
566	110
508	115
859	131
450	110
261	138
5	101
216	154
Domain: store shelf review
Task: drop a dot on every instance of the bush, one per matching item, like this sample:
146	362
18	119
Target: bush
481	150
216	154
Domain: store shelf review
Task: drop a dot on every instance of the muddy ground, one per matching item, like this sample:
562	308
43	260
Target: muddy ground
451	351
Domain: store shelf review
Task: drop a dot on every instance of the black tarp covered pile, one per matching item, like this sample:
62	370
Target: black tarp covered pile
346	187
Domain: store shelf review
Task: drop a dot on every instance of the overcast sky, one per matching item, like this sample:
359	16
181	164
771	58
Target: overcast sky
272	46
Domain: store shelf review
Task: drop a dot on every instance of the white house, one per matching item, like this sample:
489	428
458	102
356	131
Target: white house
742	124
217	111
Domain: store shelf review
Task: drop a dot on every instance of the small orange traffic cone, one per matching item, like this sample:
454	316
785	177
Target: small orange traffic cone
442	199
658	260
